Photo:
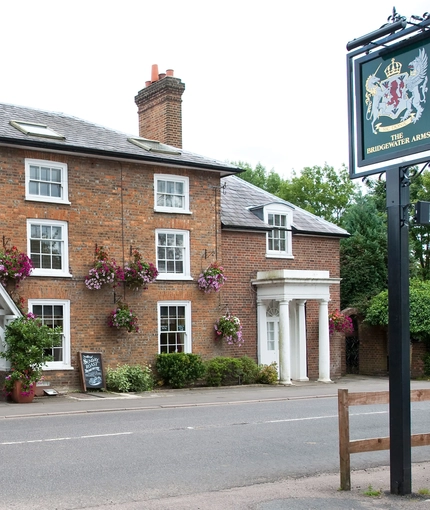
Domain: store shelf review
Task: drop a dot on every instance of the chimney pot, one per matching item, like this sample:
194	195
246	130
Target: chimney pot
148	83
161	76
169	72
154	73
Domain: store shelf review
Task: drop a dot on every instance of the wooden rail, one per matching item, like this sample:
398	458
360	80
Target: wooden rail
347	447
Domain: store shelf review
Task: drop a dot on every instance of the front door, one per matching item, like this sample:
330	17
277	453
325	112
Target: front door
270	353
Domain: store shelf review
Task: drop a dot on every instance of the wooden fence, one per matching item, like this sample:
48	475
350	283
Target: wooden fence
347	447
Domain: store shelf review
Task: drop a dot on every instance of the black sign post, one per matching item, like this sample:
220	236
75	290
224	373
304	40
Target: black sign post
92	374
389	131
398	331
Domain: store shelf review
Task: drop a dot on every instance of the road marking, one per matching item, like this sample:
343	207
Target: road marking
65	438
322	417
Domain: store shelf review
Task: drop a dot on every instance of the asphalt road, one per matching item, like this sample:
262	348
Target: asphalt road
140	457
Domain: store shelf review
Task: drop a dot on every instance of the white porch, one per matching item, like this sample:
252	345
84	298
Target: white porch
281	299
8	312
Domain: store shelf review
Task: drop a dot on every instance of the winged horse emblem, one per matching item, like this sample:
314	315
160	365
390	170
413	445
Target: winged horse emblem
399	92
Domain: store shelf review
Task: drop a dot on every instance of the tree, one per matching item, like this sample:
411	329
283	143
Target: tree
419	235
363	256
321	191
419	306
269	181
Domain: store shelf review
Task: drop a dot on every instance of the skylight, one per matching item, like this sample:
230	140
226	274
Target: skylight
34	129
154	146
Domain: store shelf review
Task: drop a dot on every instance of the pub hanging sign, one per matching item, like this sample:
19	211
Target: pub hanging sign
392	102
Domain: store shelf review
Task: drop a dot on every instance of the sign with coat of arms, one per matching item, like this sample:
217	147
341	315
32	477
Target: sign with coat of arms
392	103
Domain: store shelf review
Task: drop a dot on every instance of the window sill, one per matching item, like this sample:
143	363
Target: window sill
51	274
170	277
47	200
278	256
172	211
63	367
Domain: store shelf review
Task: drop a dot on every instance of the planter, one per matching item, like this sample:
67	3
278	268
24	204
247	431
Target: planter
17	394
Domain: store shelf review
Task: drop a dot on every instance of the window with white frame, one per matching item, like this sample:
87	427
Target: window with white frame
279	238
47	247
173	254
53	313
174	326
46	181
171	194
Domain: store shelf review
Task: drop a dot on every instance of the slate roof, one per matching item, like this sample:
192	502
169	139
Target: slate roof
239	196
87	138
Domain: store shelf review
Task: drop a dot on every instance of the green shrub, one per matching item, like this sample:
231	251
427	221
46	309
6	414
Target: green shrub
222	371
249	370
179	369
126	378
268	374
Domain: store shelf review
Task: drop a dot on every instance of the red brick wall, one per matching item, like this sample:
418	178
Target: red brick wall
244	255
112	205
373	350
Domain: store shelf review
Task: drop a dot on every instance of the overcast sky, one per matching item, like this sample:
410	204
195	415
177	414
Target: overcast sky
265	81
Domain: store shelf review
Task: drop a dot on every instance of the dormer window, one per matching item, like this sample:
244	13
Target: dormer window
279	239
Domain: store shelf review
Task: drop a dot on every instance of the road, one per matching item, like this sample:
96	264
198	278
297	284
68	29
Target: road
83	461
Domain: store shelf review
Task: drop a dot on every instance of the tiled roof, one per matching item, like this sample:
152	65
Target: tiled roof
239	196
88	138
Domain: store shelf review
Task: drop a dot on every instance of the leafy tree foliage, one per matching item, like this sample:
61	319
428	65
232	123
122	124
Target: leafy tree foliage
269	181
363	256
419	240
419	296
321	190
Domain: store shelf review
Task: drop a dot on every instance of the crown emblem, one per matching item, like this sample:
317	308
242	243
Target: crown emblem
393	68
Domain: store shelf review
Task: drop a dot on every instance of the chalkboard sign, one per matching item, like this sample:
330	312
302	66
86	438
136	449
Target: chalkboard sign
91	370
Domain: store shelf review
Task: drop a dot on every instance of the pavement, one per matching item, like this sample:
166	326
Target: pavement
314	492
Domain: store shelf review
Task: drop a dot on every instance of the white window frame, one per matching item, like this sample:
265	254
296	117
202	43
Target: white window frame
65	303
176	179
185	275
64	199
288	213
187	332
64	271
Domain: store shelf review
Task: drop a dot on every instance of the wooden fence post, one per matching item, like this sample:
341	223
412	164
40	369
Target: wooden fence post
344	455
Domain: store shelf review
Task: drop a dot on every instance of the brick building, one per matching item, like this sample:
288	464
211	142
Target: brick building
69	186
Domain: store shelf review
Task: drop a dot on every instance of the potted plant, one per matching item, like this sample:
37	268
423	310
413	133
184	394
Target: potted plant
104	271
212	278
228	328
137	273
123	317
340	323
27	342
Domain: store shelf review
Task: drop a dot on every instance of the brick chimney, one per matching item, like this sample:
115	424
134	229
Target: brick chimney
159	108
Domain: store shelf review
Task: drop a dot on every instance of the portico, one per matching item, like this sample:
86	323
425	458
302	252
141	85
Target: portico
281	299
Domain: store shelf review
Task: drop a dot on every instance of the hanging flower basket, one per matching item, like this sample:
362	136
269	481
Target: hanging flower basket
105	271
15	266
212	278
229	329
123	317
138	274
340	323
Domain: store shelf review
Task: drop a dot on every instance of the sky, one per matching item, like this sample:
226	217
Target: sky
265	82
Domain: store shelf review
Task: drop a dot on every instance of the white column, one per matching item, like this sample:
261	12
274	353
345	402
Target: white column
261	330
302	361
284	343
324	343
